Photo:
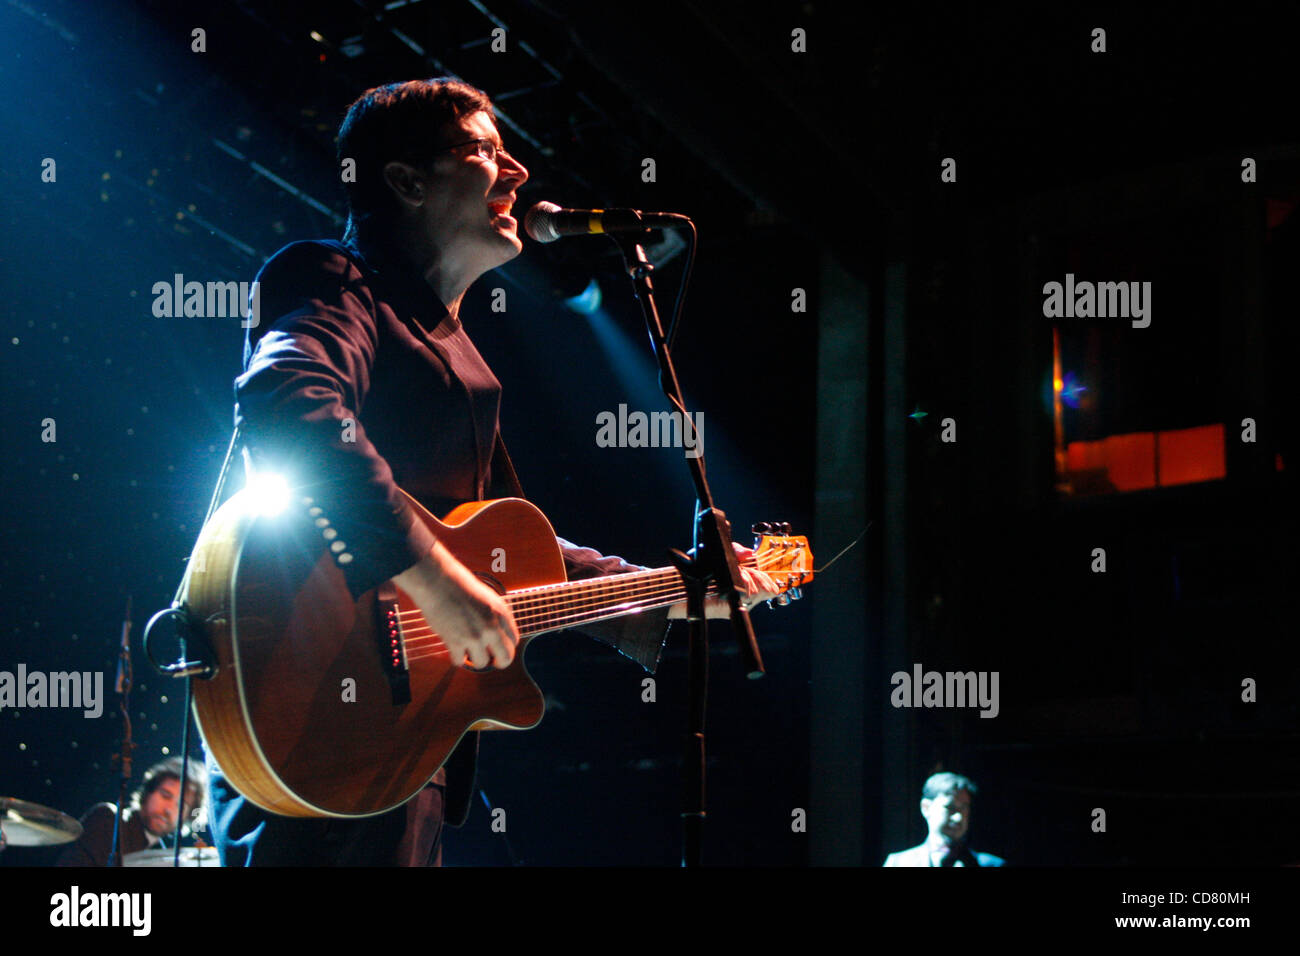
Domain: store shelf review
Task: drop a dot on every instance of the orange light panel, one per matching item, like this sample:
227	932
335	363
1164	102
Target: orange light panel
1131	460
1187	455
1191	454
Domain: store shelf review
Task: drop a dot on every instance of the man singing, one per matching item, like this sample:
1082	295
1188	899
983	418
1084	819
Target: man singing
359	377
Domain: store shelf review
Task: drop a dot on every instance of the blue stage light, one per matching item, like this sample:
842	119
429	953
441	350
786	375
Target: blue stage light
587	301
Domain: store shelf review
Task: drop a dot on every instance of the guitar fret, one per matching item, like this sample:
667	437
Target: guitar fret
556	606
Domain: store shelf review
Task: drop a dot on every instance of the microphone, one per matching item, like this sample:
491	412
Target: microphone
546	222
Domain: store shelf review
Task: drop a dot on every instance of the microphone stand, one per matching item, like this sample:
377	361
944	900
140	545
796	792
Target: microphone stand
123	688
713	559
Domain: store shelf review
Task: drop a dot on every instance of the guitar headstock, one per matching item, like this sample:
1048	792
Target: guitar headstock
786	557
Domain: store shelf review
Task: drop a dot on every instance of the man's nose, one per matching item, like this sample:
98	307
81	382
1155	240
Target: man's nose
513	170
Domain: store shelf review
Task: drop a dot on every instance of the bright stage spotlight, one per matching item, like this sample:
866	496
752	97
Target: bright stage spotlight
267	494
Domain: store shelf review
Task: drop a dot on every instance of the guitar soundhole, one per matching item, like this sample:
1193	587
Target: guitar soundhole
491	582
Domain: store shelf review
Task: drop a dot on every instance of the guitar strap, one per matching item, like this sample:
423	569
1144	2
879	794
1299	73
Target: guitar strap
218	496
505	482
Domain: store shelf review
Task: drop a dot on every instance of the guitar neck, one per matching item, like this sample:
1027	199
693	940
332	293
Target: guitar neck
554	607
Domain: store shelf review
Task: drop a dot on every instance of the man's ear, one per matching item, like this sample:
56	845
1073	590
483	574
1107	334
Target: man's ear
925	807
406	182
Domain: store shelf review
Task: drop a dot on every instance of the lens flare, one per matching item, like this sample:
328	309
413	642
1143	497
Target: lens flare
267	494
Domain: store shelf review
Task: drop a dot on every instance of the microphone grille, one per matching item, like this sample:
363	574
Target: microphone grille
539	224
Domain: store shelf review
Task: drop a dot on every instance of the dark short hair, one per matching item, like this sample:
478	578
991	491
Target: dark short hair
196	779
403	122
940	784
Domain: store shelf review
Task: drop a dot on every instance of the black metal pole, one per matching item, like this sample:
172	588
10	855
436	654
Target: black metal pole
713	560
123	688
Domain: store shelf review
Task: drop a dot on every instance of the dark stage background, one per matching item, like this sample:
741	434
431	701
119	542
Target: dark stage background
914	391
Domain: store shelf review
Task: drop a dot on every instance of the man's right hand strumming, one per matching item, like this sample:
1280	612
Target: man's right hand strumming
472	620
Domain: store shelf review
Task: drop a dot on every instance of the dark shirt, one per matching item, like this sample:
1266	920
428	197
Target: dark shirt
358	380
958	854
96	840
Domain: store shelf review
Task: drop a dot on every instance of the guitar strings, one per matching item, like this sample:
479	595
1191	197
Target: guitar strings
527	599
656	587
542	605
642	599
432	646
576	601
422	637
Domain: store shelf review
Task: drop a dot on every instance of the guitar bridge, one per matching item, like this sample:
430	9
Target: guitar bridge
392	645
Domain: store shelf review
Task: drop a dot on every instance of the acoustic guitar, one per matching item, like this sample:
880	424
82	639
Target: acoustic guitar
326	706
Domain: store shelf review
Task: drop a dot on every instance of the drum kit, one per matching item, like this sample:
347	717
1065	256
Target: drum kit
23	823
190	856
30	824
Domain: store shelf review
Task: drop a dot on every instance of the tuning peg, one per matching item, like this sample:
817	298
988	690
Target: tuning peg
785	527
796	593
782	599
761	527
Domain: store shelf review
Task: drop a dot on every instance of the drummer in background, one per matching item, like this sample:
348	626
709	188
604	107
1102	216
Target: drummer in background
148	819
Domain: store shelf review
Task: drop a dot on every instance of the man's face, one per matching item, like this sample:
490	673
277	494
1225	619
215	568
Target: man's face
948	816
468	200
160	808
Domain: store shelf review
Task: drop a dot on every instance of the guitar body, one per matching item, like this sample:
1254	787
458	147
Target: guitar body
315	709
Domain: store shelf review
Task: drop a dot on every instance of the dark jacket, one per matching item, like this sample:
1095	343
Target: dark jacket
96	840
357	380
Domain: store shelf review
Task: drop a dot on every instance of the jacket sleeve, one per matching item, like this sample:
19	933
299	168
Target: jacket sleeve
96	840
298	407
638	636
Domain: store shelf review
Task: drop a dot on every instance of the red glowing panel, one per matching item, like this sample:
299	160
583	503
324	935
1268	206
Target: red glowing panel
1085	456
1191	454
1129	461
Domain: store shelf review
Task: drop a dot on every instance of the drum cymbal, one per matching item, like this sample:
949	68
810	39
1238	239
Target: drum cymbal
30	824
190	856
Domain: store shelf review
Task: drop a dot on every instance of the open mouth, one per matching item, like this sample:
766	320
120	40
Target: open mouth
501	207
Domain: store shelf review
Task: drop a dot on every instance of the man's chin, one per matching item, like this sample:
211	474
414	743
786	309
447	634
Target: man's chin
505	247
511	246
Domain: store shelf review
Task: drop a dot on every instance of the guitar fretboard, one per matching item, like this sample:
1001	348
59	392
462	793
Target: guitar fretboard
553	607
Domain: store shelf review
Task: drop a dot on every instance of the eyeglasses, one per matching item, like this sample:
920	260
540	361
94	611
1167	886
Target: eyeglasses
485	148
